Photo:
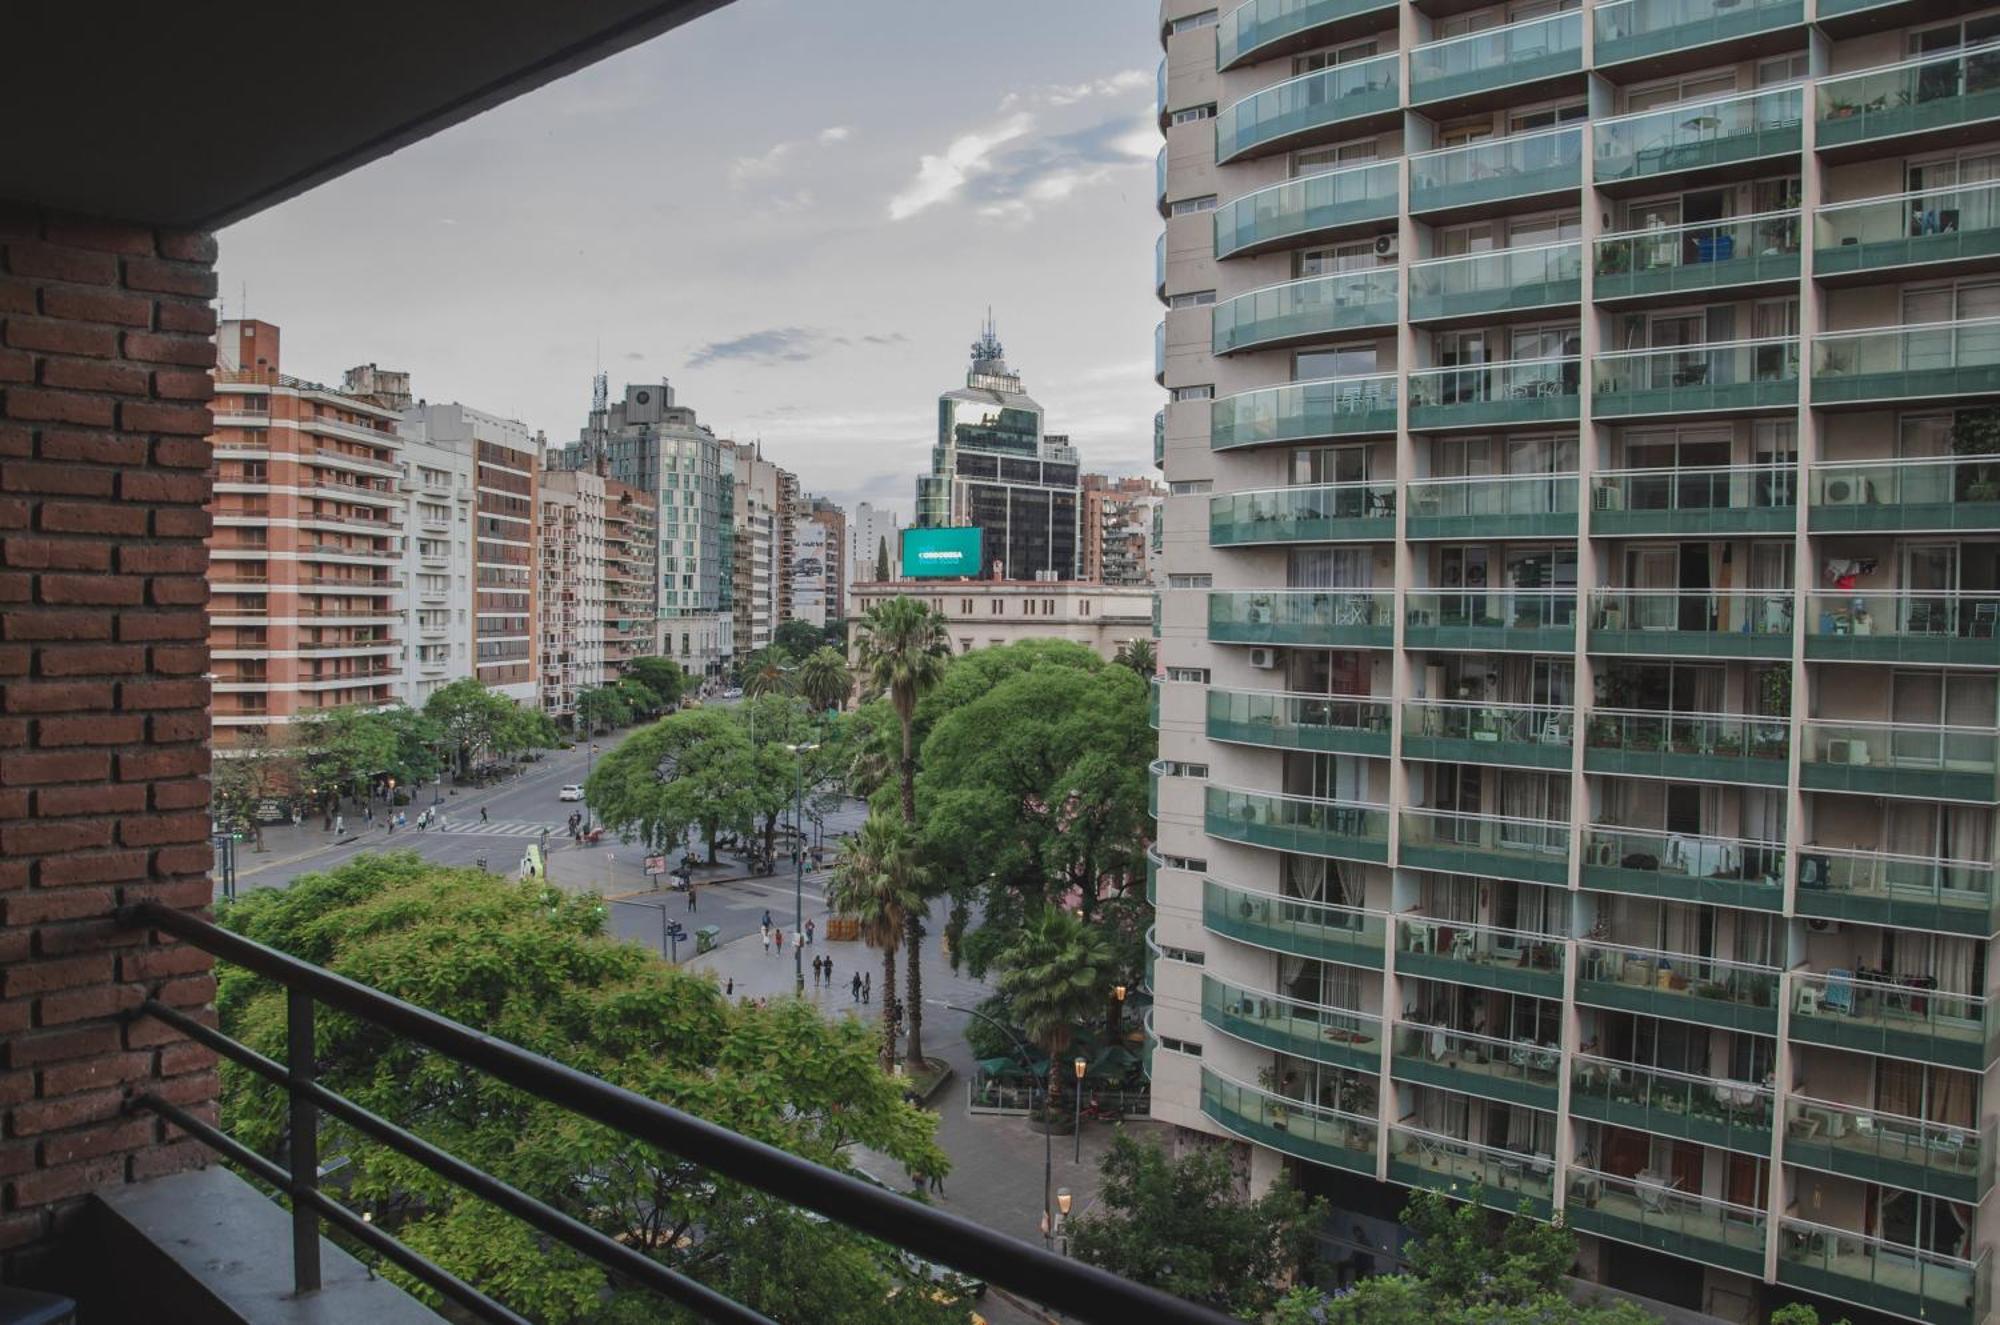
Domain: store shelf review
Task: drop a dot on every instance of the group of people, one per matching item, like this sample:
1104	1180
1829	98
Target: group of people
823	970
776	935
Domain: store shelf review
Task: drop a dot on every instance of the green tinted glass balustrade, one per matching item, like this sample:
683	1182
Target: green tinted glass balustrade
1726	499
1305	824
1944	359
1523	52
1160	181
1299	310
1883	1276
1333	724
1494	506
1306	108
1482	955
1508	278
1515	620
1698	747
1699	134
1153	703
1327	618
1159	438
1679	986
1256	24
1292	1127
1341	1036
1160	92
1310	513
1298	208
1154	772
1511	735
1304	928
1748	374
1893	1020
1650	1212
1160	353
1700	256
1510	848
1504	1178
1304	412
1730	1115
1953	629
1694	623
1153	867
1160	265
1513	1071
1521	391
1904	1152
1901	759
1495	169
1936	494
1906	229
1898	891
1932	92
1684	867
1638	29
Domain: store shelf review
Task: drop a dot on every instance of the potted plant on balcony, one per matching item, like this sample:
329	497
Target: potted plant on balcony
1976	432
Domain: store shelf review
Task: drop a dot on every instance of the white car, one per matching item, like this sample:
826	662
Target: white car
573	792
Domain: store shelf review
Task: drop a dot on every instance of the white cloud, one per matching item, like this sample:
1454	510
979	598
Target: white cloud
1126	80
745	169
940	178
838	133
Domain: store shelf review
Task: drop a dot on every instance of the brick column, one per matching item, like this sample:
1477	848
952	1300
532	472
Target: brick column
105	351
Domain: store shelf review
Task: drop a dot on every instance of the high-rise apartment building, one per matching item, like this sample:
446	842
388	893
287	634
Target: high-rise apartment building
758	494
874	541
993	467
570	588
631	550
1579	628
783	519
438	568
1118	521
827	580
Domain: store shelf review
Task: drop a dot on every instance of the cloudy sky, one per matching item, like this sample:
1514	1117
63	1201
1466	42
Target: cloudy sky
797	212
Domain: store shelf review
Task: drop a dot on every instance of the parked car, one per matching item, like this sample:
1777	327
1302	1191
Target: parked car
572	792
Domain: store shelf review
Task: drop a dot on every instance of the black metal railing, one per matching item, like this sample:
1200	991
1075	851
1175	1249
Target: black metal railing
1083	1292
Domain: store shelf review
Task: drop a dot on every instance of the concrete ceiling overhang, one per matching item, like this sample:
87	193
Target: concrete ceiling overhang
199	113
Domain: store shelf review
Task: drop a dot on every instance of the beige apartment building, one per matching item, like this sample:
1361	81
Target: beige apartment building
631	619
570	588
1580	631
983	613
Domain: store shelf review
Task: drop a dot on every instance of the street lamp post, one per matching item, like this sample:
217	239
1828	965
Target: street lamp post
1048	1145
1080	1066
799	872
1063	1201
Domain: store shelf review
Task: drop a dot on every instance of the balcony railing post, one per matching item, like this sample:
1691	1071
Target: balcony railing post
304	1139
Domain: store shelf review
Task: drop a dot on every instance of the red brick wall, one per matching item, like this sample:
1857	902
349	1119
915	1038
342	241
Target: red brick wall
105	350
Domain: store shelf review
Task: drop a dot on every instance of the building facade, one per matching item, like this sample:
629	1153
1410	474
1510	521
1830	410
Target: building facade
995	468
1577	762
758	494
438	568
570	588
981	614
874	544
631	551
1119	516
819	589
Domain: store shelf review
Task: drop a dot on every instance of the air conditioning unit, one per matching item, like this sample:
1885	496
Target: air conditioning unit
1842	490
1607	499
1847	752
1264	659
1385	246
1821	925
1603	853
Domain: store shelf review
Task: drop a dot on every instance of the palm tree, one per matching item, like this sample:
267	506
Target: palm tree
765	674
1138	655
903	647
877	881
824	679
1054	976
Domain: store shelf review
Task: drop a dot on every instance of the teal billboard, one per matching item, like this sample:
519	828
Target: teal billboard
930	554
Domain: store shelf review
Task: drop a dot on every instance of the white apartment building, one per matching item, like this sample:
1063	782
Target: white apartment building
437	564
870	529
570	588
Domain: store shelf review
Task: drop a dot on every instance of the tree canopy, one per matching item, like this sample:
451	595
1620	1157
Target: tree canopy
474	722
662	676
688	770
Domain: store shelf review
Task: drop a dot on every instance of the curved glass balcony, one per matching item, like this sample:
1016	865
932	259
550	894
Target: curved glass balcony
1504	1178
1692	623
1730	1115
1486	61
1699	135
1309	513
1159	438
1332	724
1652	1213
1536	850
1520	165
1518	391
1513	620
1305	310
1293	1127
1640	29
1160	265
1160	352
1324	618
1893	1020
1153	867
1160	181
1685	867
1340	1036
1510	735
1512	1071
1685	379
1679	986
1908	892
1320	930
1724	499
1700	747
1931	92
1305	824
1913	626
1160	93
1258	28
1699	256
1492	958
1311	106
1883	1276
1304	412
1946	359
1907	229
1911	1153
1291	212
1901	759
1153	703
1510	278
1154	772
1494	506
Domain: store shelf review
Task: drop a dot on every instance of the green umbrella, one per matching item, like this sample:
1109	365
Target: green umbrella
999	1067
1113	1062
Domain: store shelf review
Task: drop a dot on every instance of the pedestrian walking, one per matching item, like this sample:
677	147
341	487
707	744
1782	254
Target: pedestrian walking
829	969
370	809
482	814
767	943
937	1182
340	825
729	988
856	987
867	987
767	918
690	897
810	927
779	935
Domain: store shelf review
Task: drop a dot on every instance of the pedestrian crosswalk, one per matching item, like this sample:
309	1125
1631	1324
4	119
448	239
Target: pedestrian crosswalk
494	828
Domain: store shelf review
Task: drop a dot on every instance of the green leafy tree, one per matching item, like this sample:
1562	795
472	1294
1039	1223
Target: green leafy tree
877	881
1056	973
884	568
342	750
639	699
688	770
824	680
469	716
255	770
523	727
767	672
904	650
417	744
532	965
1184	1225
662	676
797	640
600	707
1138	655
